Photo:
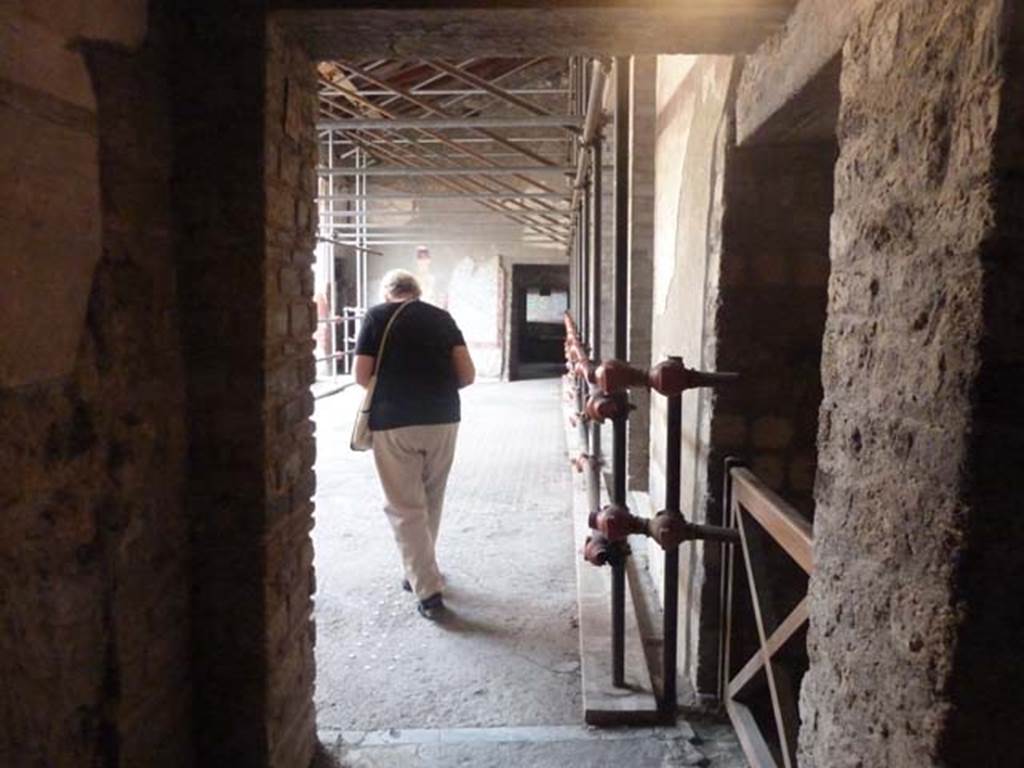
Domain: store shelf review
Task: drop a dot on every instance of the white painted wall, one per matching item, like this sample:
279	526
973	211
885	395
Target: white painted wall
691	103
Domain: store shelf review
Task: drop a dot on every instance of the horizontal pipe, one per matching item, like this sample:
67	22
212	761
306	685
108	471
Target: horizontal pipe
363	247
450	196
414	234
367	141
441	123
348	214
450	92
469	170
428	241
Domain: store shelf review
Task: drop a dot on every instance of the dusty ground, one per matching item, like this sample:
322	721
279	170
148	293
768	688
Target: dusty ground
498	683
508	655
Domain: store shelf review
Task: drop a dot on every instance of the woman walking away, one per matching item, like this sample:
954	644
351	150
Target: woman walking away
415	419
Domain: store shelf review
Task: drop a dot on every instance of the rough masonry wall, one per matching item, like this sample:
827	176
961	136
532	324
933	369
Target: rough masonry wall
94	540
692	131
290	155
785	65
899	582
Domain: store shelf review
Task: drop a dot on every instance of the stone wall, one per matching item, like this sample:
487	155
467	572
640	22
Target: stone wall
917	534
93	539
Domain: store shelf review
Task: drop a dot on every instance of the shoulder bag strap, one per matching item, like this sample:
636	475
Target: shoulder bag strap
384	338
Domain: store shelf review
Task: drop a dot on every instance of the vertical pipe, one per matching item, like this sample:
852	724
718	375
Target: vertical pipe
595	250
620	289
332	310
673	440
587	227
619	309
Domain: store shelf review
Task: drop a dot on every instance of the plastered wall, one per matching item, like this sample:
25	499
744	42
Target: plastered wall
473	280
691	131
94	561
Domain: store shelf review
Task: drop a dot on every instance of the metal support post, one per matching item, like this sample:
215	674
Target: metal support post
670	587
619	309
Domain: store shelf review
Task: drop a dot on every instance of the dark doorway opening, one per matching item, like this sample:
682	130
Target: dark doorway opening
540	297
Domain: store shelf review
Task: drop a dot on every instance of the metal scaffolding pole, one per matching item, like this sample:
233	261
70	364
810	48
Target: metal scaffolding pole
515	214
472	153
441	114
331	91
620	318
452	196
449	123
439	213
496	91
468	170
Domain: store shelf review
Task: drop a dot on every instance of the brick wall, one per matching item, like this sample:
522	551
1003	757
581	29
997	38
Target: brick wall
917	534
289	179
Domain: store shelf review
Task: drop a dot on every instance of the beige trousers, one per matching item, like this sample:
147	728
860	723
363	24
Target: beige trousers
413	465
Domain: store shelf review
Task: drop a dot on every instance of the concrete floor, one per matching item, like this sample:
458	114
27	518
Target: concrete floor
498	682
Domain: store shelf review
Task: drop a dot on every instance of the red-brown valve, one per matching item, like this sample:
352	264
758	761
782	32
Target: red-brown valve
672	377
600	407
616	376
596	550
585	370
580	461
570	325
669	529
616	523
668	378
573	351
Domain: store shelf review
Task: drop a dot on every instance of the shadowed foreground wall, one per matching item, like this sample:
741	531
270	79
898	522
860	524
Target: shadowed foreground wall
244	110
94	578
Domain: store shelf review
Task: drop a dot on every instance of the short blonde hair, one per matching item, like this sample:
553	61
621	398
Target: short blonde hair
398	283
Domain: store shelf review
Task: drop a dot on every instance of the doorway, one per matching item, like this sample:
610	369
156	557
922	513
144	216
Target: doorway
540	298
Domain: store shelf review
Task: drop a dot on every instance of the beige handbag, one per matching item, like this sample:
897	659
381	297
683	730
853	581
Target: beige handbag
362	435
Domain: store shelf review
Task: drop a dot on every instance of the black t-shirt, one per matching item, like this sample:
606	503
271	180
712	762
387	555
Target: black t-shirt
416	381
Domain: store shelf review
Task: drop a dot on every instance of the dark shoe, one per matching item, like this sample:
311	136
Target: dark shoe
431	608
406	586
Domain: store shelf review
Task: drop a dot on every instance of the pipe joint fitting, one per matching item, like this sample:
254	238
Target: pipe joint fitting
616	523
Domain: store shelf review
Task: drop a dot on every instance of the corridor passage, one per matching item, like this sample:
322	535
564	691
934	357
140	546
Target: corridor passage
498	682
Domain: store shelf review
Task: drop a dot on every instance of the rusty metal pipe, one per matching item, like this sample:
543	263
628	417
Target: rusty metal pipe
668	378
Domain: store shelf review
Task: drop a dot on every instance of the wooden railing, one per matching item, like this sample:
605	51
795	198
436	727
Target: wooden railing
748	503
